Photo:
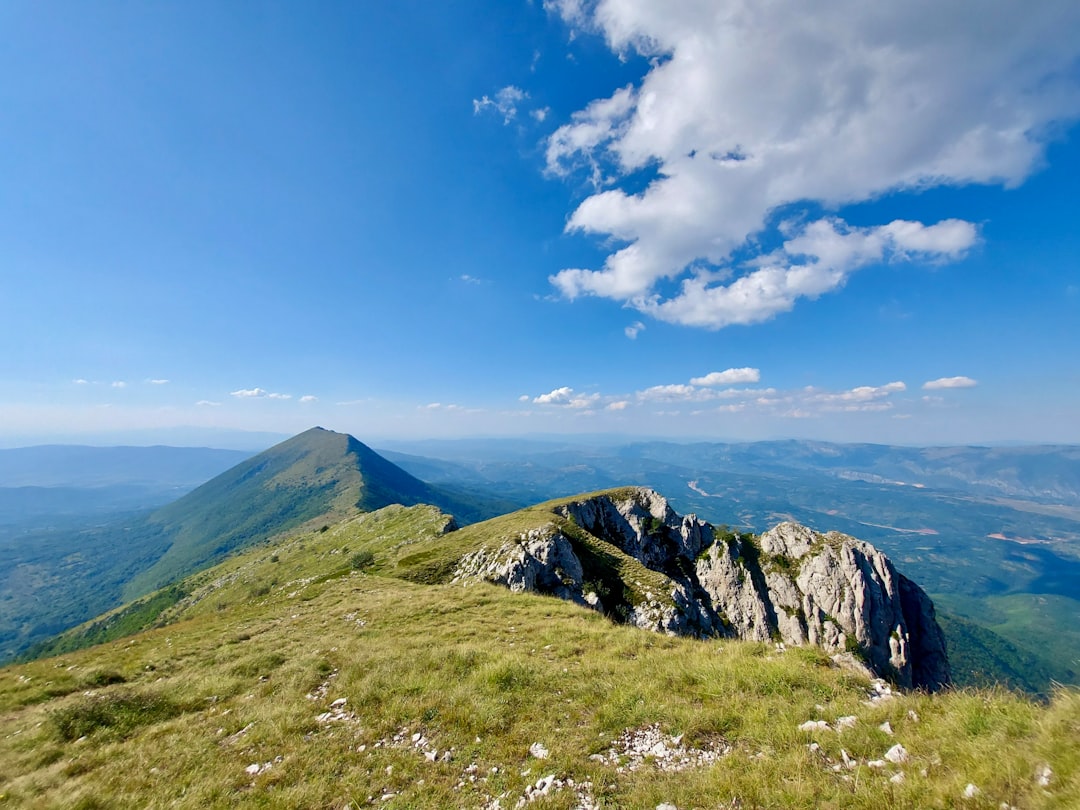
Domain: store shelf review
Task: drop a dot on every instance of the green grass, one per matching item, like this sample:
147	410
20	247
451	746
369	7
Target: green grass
264	643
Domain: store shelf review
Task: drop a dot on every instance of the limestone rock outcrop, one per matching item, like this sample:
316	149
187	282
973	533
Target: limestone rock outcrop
629	554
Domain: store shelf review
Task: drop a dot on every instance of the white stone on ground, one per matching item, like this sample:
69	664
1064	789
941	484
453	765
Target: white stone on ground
897	754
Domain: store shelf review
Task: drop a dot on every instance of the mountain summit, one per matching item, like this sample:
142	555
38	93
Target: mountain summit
317	474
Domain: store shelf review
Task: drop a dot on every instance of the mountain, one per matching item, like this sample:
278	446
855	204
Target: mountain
345	667
316	474
55	580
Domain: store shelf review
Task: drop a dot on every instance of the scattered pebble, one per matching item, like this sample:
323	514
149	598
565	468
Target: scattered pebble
254	769
539	751
970	792
886	727
635	747
1043	774
814	725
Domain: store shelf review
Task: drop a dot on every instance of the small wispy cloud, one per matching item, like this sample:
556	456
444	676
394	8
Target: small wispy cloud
949	382
674	392
257	393
119	384
505	103
206	403
619	405
158	382
470	279
309	398
540	114
731	376
867	398
80	381
634	329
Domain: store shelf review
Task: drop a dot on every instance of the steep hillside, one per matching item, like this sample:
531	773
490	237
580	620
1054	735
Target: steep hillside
308	673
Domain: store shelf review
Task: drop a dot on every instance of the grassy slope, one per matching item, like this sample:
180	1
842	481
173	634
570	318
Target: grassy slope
174	716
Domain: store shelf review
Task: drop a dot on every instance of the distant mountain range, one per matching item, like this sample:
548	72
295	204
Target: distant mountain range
1045	473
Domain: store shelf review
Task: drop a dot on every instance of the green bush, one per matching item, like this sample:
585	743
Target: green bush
120	711
362	559
102	677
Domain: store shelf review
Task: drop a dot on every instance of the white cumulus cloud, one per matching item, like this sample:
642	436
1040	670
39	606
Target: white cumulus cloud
950	382
567	397
753	107
559	396
309	398
732	376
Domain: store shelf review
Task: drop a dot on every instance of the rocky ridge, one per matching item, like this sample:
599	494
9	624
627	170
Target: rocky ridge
629	554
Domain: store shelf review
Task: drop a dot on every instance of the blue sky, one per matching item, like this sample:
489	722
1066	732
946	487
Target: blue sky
408	220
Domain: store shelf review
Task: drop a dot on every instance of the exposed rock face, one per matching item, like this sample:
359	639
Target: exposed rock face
542	560
792	584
